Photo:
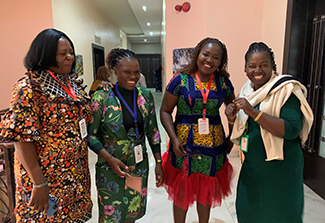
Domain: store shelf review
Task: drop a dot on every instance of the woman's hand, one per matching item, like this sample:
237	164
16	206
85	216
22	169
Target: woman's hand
231	111
159	174
242	103
39	199
104	85
178	148
116	165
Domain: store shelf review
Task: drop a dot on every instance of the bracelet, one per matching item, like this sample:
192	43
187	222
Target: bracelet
258	116
231	123
40	185
159	161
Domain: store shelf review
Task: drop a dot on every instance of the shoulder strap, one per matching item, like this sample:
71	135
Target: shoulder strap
282	80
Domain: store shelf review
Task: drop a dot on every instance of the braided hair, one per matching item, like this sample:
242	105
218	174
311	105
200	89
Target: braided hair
192	66
116	54
260	47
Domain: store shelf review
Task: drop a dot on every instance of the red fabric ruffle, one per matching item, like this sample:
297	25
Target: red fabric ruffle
184	191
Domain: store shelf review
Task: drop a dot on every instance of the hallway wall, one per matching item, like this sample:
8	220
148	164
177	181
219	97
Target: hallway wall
20	22
236	23
81	21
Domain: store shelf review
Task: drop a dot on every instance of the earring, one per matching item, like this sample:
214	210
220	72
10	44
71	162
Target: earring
218	69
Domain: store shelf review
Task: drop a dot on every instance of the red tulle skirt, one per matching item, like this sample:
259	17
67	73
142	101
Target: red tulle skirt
185	190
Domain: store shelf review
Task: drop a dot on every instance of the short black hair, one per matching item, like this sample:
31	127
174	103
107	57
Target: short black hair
260	47
116	54
42	52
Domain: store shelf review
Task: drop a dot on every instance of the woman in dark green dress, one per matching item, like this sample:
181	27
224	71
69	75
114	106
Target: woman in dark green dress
271	119
122	118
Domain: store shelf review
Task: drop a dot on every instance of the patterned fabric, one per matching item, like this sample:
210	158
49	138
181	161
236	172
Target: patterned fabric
46	115
211	147
118	203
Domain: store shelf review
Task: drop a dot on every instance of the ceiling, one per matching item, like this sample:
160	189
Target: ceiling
129	16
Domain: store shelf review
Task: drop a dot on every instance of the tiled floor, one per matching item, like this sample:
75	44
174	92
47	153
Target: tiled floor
159	208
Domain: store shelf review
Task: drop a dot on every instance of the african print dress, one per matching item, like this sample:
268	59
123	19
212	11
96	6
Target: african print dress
43	113
117	201
205	175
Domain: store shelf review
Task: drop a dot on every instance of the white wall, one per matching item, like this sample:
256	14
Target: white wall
81	21
146	48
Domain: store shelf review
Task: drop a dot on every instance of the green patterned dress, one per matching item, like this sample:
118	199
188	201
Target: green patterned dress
118	203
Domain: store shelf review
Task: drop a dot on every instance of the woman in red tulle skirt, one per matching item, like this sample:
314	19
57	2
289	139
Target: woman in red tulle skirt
196	167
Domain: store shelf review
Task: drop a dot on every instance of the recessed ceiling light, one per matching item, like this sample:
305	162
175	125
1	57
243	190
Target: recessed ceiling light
144	8
148	23
151	33
145	40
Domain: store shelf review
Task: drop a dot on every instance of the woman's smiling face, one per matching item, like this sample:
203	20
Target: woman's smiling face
259	68
128	73
209	58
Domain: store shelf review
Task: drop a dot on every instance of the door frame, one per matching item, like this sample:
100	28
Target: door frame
297	62
97	47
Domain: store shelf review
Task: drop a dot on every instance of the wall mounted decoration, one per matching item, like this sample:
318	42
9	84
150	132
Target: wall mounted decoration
186	6
178	8
79	65
181	57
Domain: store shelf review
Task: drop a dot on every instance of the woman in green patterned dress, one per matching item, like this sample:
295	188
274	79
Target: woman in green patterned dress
273	119
121	119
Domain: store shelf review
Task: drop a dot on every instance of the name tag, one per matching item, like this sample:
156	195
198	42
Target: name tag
203	126
83	128
138	153
244	143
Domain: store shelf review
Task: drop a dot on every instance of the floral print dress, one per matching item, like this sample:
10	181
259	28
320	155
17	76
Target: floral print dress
43	113
118	202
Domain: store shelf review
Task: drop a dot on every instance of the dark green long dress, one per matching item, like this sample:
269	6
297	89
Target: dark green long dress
272	191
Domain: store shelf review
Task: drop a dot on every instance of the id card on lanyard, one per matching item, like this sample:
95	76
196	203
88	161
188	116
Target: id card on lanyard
203	123
138	153
244	140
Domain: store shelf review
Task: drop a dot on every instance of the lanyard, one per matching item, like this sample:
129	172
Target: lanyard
204	94
69	91
134	112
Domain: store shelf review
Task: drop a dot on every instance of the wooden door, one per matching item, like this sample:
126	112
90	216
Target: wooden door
304	57
148	64
98	58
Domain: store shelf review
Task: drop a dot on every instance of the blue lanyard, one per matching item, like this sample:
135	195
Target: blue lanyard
134	112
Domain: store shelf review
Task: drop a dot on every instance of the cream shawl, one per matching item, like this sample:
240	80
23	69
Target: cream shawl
271	103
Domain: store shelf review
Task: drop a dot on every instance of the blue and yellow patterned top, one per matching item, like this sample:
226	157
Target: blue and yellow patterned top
211	148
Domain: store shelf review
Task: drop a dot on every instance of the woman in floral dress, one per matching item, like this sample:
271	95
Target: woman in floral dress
121	119
45	121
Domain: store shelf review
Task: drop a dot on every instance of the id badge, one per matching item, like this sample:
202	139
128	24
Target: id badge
138	153
83	128
244	143
203	126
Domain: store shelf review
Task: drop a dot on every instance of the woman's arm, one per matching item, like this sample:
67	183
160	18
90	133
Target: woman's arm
230	113
94	129
270	123
167	107
154	140
26	153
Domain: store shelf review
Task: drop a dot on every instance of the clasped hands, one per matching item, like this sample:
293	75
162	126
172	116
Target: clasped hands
233	108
